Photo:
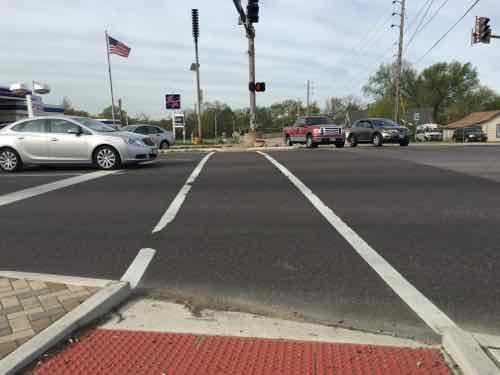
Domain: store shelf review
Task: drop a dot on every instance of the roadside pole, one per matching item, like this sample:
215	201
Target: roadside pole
251	56
247	20
399	65
110	78
308	98
196	34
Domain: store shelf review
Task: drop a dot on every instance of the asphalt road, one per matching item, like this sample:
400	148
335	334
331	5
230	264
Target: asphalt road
247	239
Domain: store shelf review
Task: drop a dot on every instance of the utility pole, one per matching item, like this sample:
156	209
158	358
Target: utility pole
399	63
196	35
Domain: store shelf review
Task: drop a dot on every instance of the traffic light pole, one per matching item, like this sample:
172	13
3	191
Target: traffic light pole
198	92
251	56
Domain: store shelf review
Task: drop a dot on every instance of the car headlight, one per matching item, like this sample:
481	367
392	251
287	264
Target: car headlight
317	131
135	142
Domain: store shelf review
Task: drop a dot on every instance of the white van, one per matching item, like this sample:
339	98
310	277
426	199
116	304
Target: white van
428	133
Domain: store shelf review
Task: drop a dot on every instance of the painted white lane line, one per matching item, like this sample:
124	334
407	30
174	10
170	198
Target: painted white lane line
42	189
423	307
138	267
176	204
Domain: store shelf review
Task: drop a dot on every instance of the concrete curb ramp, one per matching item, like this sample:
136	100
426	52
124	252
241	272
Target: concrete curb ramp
93	308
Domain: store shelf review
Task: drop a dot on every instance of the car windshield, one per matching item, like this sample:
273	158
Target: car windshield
317	121
94	125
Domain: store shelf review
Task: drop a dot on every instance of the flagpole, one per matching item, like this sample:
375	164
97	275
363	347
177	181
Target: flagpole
110	78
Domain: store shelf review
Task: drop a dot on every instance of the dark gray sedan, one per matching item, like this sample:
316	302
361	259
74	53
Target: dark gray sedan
378	131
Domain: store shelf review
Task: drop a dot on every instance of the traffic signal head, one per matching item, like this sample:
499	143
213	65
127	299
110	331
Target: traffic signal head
257	86
483	30
196	24
253	11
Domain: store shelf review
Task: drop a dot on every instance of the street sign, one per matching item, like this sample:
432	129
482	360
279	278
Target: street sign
179	121
173	101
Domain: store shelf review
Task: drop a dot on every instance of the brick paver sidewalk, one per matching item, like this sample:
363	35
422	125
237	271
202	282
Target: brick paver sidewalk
28	307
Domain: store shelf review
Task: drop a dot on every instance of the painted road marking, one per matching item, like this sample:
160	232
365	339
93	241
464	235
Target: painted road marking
138	267
42	189
176	204
421	305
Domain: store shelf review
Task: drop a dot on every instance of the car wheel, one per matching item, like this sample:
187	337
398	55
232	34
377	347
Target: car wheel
288	141
164	145
353	142
404	144
340	145
377	140
10	161
106	157
310	143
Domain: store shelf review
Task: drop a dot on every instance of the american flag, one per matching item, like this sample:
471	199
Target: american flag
118	48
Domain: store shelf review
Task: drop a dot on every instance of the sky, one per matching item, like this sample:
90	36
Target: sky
336	44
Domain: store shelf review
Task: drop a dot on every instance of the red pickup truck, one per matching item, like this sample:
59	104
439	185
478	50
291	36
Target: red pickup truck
313	131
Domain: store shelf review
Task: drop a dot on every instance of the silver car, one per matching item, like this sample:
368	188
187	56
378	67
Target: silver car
163	138
70	140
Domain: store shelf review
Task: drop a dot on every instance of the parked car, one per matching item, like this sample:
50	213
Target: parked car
428	133
378	131
70	140
471	134
313	131
163	138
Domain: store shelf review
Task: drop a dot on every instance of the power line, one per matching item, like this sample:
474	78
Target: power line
433	16
449	31
415	18
419	26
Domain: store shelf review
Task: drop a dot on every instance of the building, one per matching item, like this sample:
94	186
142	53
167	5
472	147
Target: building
489	121
14	107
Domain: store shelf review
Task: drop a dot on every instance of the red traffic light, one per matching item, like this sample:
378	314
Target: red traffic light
260	86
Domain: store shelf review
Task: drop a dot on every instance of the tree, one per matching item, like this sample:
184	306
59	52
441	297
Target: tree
446	84
107	113
70	111
444	87
382	83
337	108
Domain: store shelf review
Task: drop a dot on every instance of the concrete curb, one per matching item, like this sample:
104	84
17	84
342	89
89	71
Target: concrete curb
467	353
96	306
58	279
231	149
